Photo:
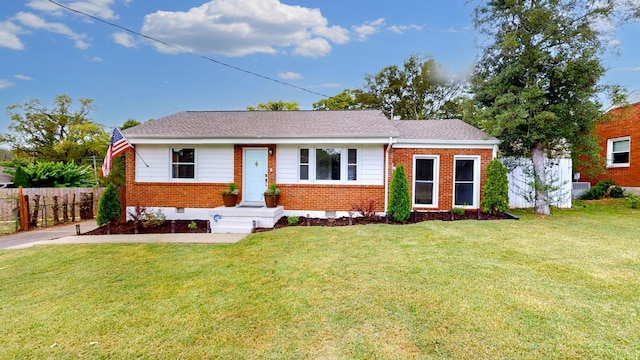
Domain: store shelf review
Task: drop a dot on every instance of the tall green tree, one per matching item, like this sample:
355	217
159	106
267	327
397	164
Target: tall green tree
536	83
279	105
59	133
347	100
420	89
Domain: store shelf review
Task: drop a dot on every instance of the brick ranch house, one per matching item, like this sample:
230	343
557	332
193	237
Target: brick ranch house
324	162
619	139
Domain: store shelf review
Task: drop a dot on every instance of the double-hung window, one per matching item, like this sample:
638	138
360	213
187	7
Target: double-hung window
618	151
331	164
183	163
425	183
466	186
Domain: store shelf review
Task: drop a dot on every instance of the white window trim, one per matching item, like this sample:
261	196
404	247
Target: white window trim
610	152
476	181
344	165
436	181
195	164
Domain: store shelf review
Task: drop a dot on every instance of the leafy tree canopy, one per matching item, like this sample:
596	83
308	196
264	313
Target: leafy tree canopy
346	100
279	105
419	89
56	134
536	83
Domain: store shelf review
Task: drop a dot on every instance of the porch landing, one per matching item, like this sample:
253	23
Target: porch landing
243	218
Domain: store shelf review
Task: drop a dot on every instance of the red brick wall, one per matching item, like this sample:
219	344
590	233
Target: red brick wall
624	122
295	196
445	176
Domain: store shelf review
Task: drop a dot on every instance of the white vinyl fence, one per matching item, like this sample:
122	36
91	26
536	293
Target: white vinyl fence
520	175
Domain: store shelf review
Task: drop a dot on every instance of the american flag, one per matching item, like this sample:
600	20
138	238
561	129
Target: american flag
118	145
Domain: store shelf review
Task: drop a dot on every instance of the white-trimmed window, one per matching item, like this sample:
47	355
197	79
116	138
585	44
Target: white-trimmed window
618	152
328	164
183	163
466	181
425	181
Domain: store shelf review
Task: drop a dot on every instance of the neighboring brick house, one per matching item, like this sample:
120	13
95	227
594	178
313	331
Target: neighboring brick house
620	143
322	161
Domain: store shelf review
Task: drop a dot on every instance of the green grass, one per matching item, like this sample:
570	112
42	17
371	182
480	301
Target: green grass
565	286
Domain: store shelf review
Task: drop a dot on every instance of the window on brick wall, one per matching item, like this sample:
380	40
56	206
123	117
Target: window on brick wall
618	152
466	184
328	164
183	163
425	181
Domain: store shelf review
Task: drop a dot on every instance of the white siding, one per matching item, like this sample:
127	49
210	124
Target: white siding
371	165
213	163
521	193
157	158
287	164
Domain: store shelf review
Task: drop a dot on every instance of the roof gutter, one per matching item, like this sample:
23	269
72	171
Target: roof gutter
386	175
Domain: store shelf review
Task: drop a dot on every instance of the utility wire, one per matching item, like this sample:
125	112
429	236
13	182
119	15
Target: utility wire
151	38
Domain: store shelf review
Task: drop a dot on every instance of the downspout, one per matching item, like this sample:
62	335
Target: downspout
495	151
386	175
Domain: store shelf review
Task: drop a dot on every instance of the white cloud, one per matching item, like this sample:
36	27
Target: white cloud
124	39
99	8
399	29
96	59
289	75
368	28
5	84
242	27
637	68
9	36
23	77
34	21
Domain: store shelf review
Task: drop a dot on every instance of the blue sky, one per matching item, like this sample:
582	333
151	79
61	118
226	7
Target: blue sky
324	46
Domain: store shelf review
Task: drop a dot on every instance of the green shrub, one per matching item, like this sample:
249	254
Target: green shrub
634	202
399	197
153	218
603	189
458	211
293	220
192	225
20	178
53	174
109	207
495	193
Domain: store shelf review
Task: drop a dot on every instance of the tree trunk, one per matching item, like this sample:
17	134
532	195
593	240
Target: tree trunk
540	180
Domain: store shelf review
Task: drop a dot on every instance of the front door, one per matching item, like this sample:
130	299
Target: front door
255	169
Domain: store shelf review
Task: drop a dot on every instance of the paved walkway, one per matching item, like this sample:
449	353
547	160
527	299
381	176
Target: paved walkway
66	234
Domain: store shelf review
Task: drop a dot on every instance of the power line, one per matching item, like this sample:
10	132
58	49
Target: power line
151	38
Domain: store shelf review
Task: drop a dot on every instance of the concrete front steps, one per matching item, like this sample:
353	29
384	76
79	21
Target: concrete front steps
244	218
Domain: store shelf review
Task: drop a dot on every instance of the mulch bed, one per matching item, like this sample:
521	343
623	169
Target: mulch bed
414	218
168	227
182	226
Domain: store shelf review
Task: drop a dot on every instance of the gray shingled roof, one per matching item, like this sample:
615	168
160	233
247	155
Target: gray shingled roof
357	124
266	124
450	130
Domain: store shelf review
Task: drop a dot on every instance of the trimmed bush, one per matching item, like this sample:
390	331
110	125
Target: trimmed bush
495	193
109	208
603	189
399	197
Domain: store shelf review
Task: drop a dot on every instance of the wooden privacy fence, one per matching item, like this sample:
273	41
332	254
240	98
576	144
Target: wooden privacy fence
33	207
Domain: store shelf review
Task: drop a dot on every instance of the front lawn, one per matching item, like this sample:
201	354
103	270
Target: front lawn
565	286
